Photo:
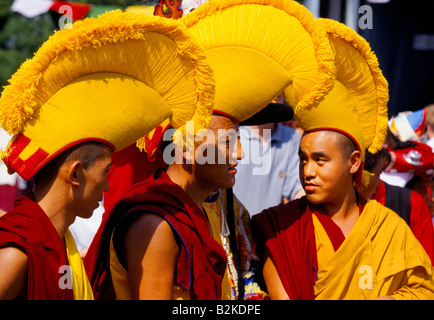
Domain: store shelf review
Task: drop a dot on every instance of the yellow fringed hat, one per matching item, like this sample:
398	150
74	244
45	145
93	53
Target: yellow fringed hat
111	79
357	105
257	48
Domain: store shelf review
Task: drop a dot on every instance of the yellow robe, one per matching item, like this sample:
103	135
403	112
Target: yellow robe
379	257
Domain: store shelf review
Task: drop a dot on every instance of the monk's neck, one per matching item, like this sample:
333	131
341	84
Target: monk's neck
56	210
345	214
187	182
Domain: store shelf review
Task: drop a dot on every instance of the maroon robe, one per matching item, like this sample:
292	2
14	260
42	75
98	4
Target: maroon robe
288	234
29	229
202	261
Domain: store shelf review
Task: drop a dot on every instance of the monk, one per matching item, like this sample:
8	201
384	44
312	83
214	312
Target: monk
159	228
32	252
156	242
332	244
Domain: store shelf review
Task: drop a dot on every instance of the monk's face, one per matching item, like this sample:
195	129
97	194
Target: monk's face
326	172
94	184
217	157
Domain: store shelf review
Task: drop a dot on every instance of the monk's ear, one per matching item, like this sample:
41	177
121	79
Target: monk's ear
355	161
74	171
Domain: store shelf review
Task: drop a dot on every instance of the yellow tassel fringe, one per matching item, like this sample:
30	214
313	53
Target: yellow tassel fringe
340	30
323	52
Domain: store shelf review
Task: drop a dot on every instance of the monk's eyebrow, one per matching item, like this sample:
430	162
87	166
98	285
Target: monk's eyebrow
319	154
315	154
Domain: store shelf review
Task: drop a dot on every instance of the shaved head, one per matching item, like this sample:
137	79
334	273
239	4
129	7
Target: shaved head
345	144
86	152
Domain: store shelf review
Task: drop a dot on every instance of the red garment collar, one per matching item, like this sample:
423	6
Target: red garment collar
332	229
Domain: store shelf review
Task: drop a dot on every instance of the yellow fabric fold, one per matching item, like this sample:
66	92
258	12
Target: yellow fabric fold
379	257
80	282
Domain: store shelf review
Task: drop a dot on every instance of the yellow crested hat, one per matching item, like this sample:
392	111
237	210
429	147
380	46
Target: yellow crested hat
357	104
111	79
257	48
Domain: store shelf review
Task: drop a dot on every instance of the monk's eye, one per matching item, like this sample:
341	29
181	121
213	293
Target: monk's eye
303	158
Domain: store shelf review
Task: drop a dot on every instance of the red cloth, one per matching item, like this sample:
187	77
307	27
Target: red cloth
28	228
78	10
289	236
202	261
8	195
333	231
130	166
421	223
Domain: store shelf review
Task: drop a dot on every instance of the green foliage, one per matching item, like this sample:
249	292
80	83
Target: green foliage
21	37
5	6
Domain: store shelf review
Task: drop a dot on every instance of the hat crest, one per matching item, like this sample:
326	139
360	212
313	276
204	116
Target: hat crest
121	73
257	48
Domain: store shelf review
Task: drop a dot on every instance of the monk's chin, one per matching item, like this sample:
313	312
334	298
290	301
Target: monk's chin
314	199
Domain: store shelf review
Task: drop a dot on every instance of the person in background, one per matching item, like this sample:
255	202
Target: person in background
429	121
414	159
407	203
430	141
268	175
410	144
